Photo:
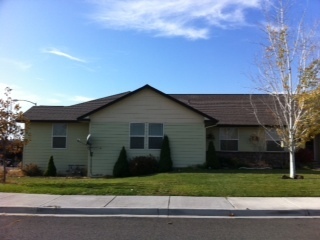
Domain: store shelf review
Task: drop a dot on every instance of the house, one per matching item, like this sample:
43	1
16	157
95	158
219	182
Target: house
138	120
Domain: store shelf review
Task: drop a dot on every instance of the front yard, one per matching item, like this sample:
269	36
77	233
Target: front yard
219	183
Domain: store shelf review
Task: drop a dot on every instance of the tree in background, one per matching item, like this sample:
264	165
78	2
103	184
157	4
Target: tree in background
51	170
10	131
165	162
289	66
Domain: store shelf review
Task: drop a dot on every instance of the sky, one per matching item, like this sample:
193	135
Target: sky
58	52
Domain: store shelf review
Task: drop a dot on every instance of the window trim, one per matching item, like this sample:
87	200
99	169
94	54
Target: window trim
154	136
226	139
55	136
273	138
131	136
146	135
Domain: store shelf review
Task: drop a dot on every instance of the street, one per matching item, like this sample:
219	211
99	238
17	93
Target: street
80	228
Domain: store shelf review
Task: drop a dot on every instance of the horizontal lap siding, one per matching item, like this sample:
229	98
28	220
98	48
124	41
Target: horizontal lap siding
187	143
110	130
107	141
147	106
39	150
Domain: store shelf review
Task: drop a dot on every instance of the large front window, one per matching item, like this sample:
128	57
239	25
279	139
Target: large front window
59	135
229	139
146	135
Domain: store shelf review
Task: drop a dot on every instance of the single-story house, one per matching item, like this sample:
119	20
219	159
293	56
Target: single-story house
92	133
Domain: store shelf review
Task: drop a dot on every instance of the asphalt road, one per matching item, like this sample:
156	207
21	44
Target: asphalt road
80	228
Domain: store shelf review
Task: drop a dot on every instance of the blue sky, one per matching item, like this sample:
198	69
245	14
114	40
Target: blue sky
58	52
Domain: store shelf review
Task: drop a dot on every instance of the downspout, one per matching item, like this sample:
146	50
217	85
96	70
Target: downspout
90	163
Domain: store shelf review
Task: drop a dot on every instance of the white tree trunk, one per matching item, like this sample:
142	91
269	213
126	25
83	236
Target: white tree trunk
292	163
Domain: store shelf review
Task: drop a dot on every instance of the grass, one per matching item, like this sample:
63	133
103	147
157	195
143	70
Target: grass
222	183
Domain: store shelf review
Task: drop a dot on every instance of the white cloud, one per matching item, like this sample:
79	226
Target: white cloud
59	53
16	63
80	99
191	19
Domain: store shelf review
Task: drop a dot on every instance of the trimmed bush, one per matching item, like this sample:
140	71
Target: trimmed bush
143	165
51	170
31	170
121	167
212	160
165	162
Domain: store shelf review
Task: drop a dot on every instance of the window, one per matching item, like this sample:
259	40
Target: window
137	132
155	135
273	142
146	135
229	139
59	135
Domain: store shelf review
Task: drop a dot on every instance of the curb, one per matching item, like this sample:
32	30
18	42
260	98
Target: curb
159	212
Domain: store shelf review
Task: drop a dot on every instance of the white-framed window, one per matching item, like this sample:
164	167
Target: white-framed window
146	135
229	139
155	135
137	134
59	135
273	141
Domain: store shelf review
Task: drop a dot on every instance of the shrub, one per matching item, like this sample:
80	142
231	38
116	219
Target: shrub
212	160
32	170
143	165
232	163
121	167
165	162
51	170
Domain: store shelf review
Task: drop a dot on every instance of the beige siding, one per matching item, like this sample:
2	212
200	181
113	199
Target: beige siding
110	130
107	141
40	149
147	106
187	143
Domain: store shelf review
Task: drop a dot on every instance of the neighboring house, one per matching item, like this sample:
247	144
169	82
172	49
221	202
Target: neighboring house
138	120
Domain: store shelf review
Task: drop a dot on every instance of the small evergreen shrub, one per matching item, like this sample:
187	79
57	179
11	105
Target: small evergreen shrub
212	160
31	170
143	165
51	170
121	167
165	162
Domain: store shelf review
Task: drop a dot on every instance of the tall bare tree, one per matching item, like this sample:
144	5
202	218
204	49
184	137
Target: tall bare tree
288	67
10	131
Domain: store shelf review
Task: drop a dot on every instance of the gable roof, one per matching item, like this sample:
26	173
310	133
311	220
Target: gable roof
228	109
154	90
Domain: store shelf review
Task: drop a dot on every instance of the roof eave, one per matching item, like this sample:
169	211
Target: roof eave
155	90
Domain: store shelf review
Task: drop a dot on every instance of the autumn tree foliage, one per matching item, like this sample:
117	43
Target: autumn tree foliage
309	125
10	131
287	69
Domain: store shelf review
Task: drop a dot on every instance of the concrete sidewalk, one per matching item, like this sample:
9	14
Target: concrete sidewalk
158	205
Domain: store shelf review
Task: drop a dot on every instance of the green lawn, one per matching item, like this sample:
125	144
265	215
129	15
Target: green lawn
222	183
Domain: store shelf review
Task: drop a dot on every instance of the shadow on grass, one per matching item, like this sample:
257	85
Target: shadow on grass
243	171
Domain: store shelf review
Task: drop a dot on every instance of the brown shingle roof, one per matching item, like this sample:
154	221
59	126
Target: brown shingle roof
231	109
228	109
67	113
